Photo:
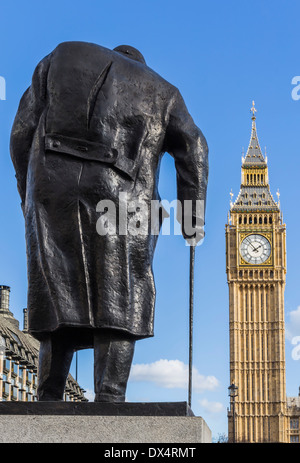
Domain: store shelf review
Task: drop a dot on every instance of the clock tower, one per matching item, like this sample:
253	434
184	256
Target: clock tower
256	269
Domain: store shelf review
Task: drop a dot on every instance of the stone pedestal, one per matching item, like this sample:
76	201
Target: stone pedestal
71	422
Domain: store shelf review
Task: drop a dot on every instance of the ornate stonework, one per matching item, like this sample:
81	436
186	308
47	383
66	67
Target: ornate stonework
256	271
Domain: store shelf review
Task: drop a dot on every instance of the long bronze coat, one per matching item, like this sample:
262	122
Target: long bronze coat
93	124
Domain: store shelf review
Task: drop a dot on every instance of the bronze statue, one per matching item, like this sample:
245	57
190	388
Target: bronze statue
93	124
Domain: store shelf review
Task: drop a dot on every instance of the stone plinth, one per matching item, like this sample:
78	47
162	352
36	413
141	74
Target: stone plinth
71	422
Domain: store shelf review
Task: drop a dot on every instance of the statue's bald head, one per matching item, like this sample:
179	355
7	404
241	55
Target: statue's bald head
130	52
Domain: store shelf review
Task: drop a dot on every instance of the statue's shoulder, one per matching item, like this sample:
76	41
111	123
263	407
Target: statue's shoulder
78	47
90	53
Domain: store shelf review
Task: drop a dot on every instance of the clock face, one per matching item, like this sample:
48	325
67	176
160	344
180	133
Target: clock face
255	249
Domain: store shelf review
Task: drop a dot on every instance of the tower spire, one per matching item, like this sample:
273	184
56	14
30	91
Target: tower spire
254	154
254	194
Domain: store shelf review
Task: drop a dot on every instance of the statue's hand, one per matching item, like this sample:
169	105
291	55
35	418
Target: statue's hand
196	239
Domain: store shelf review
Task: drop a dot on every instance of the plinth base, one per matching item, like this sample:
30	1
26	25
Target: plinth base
97	408
71	422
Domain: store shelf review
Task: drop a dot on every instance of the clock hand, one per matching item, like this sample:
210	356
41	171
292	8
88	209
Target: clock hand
249	243
257	248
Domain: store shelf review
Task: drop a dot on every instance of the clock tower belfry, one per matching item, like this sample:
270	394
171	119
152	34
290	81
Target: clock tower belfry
256	269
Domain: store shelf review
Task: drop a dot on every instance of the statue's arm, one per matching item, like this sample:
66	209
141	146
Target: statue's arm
29	111
186	143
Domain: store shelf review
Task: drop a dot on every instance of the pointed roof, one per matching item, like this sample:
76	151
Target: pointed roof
254	156
254	196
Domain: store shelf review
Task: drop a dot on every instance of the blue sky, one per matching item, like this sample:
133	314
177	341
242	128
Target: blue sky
221	55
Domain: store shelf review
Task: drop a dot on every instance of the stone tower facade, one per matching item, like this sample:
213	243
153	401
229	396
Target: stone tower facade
256	273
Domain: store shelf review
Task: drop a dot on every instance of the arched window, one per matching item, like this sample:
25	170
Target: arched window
245	220
270	219
255	219
250	218
265	219
240	219
260	220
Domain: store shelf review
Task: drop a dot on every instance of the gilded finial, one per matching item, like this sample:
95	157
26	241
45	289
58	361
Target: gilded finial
253	110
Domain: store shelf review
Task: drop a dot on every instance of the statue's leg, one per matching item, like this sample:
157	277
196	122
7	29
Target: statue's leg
55	359
112	362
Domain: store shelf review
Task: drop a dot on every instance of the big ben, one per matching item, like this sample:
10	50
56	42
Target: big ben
256	274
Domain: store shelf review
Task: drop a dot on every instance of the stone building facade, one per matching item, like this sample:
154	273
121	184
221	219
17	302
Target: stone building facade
19	359
293	412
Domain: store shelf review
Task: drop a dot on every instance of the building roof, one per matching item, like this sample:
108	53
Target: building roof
255	198
19	345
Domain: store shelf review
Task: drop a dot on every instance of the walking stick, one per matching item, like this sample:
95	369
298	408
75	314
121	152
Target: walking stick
191	313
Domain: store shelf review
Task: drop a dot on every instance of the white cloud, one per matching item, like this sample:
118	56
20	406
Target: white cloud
172	374
211	407
292	328
90	395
